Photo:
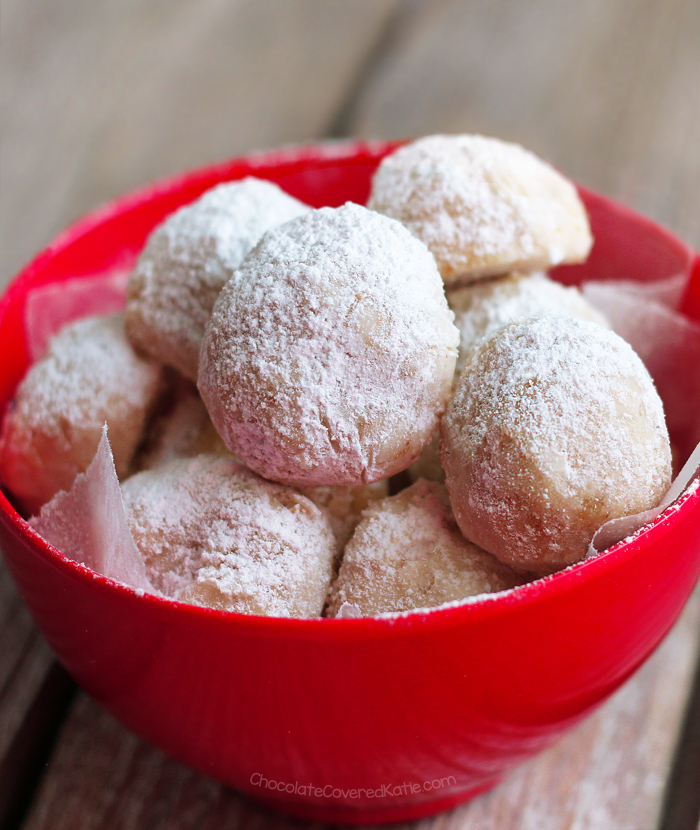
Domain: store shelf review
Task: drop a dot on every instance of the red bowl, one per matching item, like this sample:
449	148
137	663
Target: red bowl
361	719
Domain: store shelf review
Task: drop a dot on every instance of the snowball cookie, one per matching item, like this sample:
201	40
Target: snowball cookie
213	533
329	356
483	206
90	375
483	307
187	260
555	427
407	552
180	427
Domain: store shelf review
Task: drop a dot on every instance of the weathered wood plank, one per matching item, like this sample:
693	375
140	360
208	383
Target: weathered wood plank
681	807
22	763
25	664
612	771
23	661
99	97
604	775
607	89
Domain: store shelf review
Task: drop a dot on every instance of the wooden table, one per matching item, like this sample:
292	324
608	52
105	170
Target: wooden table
98	97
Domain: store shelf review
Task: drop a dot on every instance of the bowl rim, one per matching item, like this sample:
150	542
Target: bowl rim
448	615
326	154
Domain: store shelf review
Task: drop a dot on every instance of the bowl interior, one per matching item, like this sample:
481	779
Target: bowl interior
108	241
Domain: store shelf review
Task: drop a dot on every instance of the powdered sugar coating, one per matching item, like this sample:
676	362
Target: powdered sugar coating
213	533
182	428
483	307
483	206
408	552
188	259
329	356
90	375
555	427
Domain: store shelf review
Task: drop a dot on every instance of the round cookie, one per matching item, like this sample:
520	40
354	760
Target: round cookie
212	533
407	553
329	356
555	428
90	375
483	307
483	206
188	259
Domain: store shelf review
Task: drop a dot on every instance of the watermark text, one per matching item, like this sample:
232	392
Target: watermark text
257	779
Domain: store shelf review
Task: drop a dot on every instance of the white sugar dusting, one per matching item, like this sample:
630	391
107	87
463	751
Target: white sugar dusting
329	356
180	427
667	342
189	258
344	505
89	375
483	206
626	528
484	307
213	533
73	378
230	219
407	552
554	428
332	353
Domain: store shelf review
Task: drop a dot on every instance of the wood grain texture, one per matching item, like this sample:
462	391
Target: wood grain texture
98	97
681	807
608	774
22	763
612	771
607	89
24	659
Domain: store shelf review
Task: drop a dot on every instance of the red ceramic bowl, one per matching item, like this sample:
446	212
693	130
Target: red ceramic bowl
360	719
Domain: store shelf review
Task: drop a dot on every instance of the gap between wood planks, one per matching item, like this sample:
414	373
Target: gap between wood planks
26	758
681	804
